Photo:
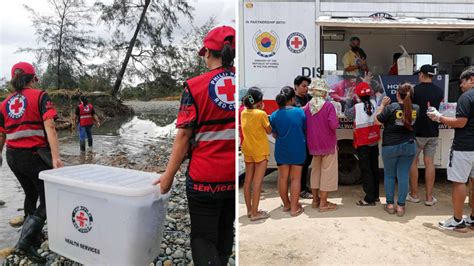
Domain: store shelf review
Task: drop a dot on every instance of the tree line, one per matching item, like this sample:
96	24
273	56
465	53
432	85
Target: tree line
150	63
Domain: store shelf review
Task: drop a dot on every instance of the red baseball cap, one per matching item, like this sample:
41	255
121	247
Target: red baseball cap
27	68
363	89
215	39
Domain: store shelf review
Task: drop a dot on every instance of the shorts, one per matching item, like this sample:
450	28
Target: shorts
255	159
299	164
427	145
460	166
324	172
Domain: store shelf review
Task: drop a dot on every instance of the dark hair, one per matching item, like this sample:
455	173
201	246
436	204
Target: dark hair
368	106
354	38
299	79
396	56
227	53
286	94
254	95
20	79
405	91
467	73
84	100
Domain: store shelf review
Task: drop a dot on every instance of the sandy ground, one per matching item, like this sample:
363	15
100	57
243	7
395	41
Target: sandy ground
352	234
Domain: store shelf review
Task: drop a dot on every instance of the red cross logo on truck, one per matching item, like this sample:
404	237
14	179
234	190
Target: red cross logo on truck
82	219
16	106
296	42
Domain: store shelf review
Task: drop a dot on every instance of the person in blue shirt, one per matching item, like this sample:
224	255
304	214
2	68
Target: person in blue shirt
288	126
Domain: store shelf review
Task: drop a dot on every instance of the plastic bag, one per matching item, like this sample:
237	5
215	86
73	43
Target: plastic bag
405	63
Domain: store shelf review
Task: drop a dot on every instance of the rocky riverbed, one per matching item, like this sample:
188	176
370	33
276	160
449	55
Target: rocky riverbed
152	156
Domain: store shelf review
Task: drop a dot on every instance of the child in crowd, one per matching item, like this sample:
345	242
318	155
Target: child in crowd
321	124
255	127
288	124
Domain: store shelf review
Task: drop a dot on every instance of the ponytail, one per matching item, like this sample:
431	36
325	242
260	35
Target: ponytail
368	106
227	54
405	92
286	94
254	95
20	80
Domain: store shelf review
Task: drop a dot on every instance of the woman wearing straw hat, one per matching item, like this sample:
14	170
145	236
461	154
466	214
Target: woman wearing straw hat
321	125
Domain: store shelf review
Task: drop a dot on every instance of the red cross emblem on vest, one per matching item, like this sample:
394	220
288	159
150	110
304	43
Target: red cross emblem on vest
222	90
16	106
228	90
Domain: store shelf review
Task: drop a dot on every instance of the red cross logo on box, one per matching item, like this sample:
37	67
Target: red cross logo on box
82	219
16	106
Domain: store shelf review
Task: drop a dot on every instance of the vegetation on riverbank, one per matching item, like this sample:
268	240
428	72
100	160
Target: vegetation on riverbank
65	101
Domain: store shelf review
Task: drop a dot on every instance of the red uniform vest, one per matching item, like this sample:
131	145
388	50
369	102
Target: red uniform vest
365	130
85	115
213	154
23	122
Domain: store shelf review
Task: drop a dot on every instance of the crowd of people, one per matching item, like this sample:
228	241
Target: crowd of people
304	128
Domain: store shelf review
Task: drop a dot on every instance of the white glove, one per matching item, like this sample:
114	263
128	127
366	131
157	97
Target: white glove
434	115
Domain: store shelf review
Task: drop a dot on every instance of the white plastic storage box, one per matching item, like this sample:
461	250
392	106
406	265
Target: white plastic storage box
104	215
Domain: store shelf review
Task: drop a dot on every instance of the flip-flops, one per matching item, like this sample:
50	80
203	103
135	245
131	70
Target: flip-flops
298	212
329	207
400	212
365	203
261	215
389	210
315	205
285	209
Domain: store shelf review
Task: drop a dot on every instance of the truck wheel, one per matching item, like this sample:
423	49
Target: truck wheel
349	172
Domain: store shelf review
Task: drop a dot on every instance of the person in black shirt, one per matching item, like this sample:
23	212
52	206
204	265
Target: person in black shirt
301	84
461	158
302	98
398	145
426	94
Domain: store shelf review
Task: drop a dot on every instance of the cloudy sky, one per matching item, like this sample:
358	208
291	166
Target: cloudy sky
16	28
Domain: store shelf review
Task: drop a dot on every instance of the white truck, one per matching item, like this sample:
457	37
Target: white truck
279	40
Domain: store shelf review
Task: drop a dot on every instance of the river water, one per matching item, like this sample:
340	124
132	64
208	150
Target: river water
120	142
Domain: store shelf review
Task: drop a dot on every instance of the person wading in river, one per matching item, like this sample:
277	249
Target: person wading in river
206	126
27	127
85	119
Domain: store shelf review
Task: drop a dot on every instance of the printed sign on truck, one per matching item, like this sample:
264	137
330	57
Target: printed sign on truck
275	48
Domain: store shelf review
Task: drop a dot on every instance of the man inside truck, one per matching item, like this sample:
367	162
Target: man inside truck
354	60
427	132
460	168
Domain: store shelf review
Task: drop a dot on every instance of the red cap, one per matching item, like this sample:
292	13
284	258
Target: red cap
214	39
26	67
363	89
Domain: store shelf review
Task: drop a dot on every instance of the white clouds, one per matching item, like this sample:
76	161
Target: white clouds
16	30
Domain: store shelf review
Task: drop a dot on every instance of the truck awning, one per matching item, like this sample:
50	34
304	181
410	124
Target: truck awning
406	22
